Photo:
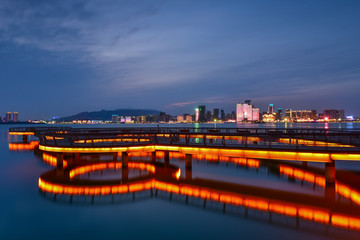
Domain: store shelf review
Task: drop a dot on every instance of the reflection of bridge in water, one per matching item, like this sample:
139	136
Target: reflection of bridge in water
70	149
321	209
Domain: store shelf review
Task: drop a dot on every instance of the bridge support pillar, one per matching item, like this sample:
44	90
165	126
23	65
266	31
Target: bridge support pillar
188	161
124	174
59	160
125	159
166	158
188	173
330	174
304	164
153	156
115	156
77	155
25	138
188	166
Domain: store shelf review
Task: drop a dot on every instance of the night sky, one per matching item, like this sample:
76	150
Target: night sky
58	58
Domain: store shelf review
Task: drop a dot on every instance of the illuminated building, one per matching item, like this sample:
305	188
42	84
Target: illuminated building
300	115
128	119
247	112
179	118
243	112
197	114
267	117
8	117
256	114
115	118
188	118
279	115
270	108
288	113
15	116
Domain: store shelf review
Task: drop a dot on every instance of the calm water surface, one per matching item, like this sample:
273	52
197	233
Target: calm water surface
25	213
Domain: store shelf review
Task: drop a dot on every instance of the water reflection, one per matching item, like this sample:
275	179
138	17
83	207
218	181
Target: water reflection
23	146
168	179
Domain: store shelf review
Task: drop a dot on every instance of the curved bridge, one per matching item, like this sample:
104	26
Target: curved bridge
305	145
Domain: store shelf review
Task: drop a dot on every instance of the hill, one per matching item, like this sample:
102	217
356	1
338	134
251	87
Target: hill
106	115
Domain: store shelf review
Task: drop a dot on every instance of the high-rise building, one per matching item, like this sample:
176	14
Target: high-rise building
313	114
288	114
217	116
222	115
197	115
279	114
202	113
256	114
162	116
248	102
15	116
8	117
208	116
244	112
334	114
233	115
271	108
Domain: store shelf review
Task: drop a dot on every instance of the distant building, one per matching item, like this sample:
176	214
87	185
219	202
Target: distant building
8	117
15	116
222	115
115	118
267	117
217	116
243	112
197	115
179	118
247	112
202	113
188	118
279	114
314	114
233	115
271	108
256	114
300	115
334	114
288	114
208	116
162	117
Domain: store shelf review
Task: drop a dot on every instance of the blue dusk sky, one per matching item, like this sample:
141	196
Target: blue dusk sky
58	58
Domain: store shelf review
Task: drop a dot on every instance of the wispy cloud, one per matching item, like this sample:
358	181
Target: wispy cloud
193	52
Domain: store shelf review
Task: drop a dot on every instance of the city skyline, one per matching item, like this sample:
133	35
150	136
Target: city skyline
245	112
58	59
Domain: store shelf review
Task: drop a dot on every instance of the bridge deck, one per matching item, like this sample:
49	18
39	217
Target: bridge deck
294	144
